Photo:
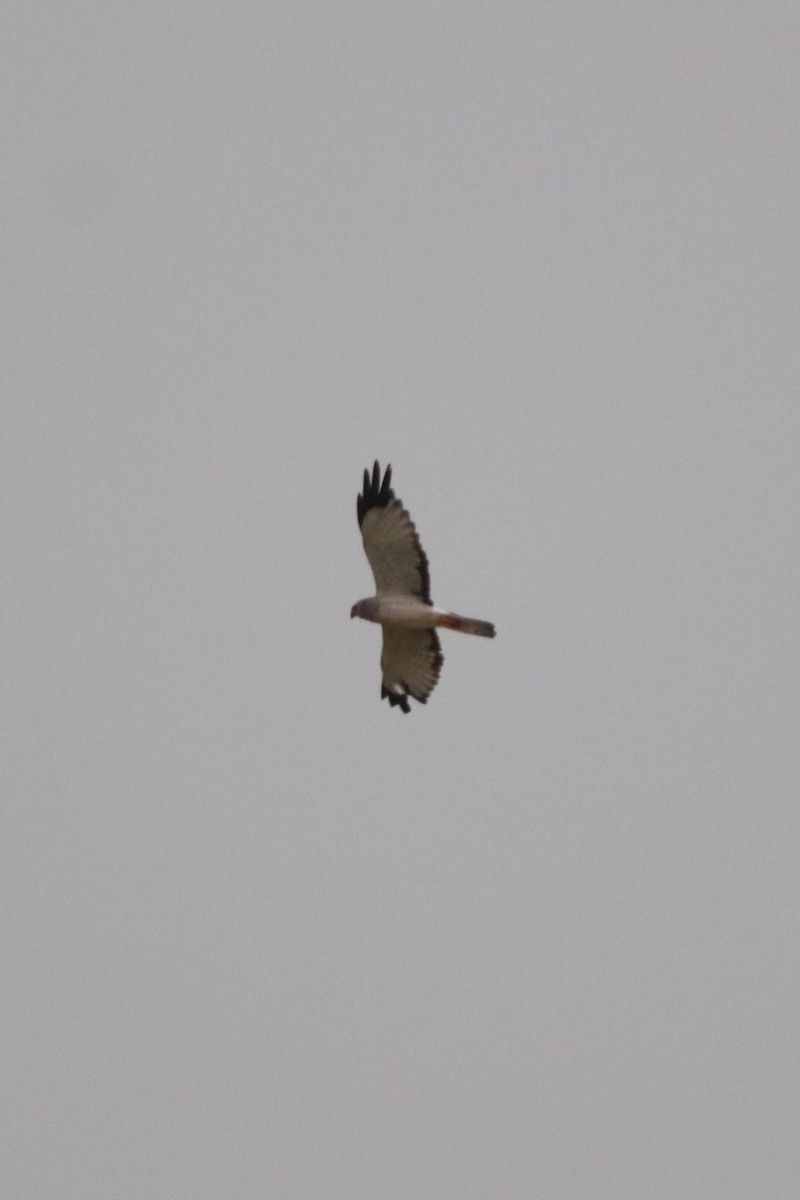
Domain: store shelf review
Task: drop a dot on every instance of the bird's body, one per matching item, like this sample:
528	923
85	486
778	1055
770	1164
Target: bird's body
396	610
412	658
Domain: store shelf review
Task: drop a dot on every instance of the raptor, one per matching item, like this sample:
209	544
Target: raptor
411	660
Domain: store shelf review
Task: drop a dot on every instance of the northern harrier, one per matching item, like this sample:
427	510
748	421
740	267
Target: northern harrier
402	606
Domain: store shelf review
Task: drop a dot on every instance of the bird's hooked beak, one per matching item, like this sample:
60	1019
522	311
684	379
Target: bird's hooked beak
353	611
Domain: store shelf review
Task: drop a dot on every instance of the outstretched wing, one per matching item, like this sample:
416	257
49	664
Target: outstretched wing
411	661
390	540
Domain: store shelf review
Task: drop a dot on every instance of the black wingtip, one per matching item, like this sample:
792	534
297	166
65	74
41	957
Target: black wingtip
394	699
375	494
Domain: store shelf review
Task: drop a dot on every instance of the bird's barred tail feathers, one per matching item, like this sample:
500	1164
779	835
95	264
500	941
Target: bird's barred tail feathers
467	625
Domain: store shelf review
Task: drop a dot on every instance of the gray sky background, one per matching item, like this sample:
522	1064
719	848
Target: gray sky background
262	935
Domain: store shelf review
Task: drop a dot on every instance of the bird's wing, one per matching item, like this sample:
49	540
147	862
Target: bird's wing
411	662
390	539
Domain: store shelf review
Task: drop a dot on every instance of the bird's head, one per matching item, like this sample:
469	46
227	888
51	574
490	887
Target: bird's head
365	609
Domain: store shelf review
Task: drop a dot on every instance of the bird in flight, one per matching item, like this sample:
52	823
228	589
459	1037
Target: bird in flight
411	660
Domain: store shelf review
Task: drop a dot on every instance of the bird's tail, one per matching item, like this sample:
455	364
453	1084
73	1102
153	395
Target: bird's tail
467	625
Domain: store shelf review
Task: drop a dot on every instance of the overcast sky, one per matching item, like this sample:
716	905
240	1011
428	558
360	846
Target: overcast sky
264	936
